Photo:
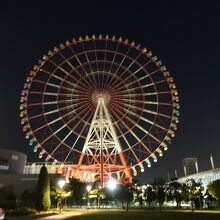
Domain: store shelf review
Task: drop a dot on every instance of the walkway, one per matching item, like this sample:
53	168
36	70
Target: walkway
51	216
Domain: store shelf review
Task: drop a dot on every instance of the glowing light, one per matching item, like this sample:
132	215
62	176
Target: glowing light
88	188
61	183
134	171
112	184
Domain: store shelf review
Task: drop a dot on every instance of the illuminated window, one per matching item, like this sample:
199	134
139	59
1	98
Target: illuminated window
14	157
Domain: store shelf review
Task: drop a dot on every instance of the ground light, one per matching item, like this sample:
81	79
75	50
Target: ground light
61	184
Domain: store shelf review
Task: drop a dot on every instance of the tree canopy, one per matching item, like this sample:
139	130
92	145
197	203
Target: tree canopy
214	189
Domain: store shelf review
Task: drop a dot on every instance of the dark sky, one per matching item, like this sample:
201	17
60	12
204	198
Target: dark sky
185	37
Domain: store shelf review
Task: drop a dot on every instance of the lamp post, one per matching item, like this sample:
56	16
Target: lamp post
88	188
61	184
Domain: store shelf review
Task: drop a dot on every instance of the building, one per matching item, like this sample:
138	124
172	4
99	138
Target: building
12	162
205	177
190	166
15	171
12	167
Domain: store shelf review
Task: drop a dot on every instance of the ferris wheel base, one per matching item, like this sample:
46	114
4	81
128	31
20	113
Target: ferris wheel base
92	173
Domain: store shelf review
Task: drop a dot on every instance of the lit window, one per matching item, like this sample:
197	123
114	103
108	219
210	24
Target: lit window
14	157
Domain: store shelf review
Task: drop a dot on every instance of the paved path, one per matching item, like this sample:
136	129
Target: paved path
51	216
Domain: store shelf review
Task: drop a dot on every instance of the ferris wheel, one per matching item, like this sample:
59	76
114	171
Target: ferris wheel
102	103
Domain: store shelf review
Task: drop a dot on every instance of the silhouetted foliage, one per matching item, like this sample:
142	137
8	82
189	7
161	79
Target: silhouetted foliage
214	189
193	192
175	192
160	191
26	199
7	197
43	191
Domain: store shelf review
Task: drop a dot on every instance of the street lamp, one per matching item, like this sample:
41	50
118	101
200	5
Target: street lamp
88	188
112	186
61	184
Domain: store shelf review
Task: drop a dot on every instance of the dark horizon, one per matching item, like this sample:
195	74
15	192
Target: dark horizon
185	38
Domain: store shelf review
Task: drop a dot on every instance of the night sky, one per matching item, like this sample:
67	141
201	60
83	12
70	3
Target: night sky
185	37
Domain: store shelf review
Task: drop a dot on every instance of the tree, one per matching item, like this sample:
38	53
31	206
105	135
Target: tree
138	194
174	192
160	191
194	191
123	194
214	189
26	199
150	195
43	191
7	197
98	195
78	188
56	193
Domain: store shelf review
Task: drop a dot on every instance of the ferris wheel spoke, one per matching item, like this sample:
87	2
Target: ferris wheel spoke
141	87
89	63
62	79
53	72
70	75
58	130
96	59
105	51
146	94
73	146
144	119
127	68
53	85
45	83
134	135
51	122
119	66
138	79
50	102
53	111
115	53
147	102
53	94
147	111
111	63
141	128
81	65
127	142
54	102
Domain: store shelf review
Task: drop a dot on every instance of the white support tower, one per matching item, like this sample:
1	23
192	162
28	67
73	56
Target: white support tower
102	144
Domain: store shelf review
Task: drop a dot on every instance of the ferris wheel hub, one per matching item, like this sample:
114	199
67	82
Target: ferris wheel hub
98	96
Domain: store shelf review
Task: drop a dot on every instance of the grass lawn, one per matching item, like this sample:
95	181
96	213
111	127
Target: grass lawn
148	215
